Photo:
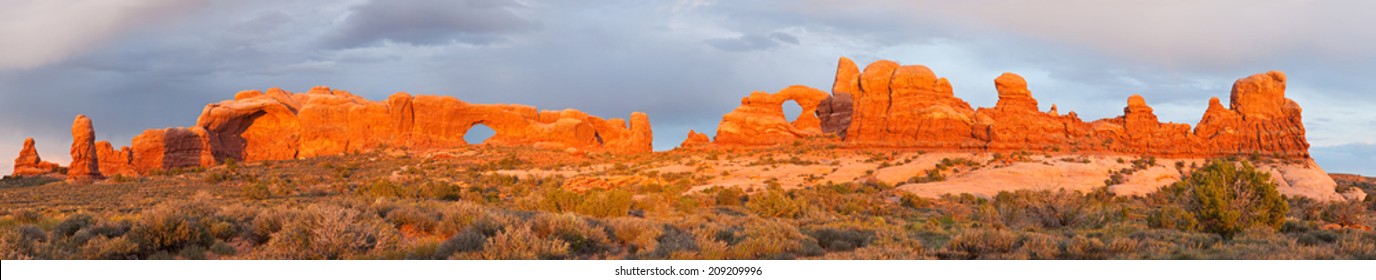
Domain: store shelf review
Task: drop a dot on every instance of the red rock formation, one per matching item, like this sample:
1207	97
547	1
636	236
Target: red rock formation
836	110
280	125
159	149
85	162
30	164
890	105
115	162
760	119
695	139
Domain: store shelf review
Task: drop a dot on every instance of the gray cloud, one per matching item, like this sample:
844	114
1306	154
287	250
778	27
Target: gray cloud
42	32
688	63
1349	158
430	22
753	42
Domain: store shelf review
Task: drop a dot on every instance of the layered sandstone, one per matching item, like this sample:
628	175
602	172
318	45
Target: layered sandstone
160	149
909	106
85	162
279	125
115	162
29	163
760	119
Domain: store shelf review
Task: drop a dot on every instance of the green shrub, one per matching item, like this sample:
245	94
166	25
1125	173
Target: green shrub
521	243
1172	217
171	227
1227	198
835	239
774	203
256	191
104	248
605	203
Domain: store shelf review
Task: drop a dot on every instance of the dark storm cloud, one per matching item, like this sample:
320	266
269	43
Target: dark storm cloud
430	22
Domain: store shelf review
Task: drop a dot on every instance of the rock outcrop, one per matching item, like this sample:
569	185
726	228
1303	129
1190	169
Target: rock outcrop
115	162
29	163
695	139
760	119
85	162
909	106
279	125
160	149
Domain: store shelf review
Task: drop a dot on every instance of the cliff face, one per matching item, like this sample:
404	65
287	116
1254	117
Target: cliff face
909	106
279	125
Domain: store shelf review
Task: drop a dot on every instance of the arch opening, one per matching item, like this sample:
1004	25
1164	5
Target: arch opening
792	110
478	134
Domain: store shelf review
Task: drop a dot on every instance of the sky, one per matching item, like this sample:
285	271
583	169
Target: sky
139	64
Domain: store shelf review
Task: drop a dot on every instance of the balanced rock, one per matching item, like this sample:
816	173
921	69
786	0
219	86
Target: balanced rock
85	162
29	163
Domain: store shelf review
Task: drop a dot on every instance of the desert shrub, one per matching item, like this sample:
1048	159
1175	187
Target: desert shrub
468	240
911	200
558	200
767	239
583	237
223	249
1346	213
981	244
331	232
605	203
637	235
169	227
1084	248
1039	246
441	191
192	253
72	224
521	243
1172	217
1047	209
837	239
774	203
382	188
728	196
256	190
1227	198
412	218
105	248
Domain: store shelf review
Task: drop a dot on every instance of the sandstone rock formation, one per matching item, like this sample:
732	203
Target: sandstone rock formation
159	149
115	162
909	106
279	125
695	139
85	162
760	119
30	164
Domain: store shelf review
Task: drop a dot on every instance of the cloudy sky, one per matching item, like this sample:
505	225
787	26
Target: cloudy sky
138	64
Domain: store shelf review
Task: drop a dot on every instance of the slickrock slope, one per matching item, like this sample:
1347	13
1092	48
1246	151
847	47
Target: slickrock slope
909	106
85	163
30	164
